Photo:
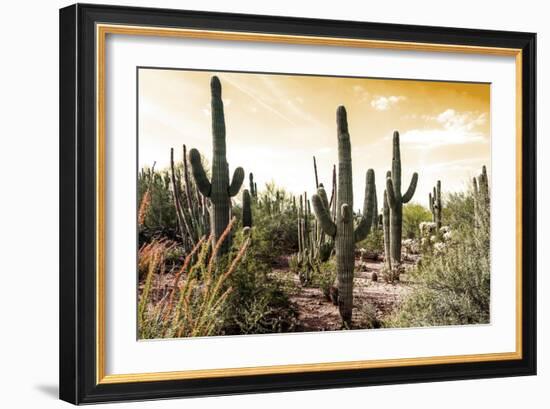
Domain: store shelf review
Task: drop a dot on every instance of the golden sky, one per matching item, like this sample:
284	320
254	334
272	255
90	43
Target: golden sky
276	123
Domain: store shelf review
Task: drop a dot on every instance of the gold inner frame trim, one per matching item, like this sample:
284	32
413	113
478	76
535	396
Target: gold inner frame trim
101	33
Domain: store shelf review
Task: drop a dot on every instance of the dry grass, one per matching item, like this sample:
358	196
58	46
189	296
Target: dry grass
198	296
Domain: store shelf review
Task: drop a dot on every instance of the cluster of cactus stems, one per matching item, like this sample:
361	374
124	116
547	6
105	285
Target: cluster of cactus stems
273	205
219	190
314	246
435	204
482	201
192	210
395	200
342	231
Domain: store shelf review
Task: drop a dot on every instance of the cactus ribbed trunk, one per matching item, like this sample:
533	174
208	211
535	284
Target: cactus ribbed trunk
315	172
345	244
386	227
219	189
252	185
342	230
396	201
482	203
435	205
247	210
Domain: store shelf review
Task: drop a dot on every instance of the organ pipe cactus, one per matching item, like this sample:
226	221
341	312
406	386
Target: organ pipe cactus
396	201
435	205
247	210
342	231
219	190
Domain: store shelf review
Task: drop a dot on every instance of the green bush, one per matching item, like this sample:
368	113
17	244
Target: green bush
458	211
257	303
413	215
160	217
454	283
374	243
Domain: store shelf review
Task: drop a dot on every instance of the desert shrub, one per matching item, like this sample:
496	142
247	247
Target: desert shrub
374	243
258	303
294	263
274	236
458	212
157	215
324	276
366	316
413	215
454	282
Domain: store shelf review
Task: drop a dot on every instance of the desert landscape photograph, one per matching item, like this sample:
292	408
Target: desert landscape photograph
277	203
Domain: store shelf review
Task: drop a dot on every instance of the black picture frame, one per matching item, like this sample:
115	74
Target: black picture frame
78	204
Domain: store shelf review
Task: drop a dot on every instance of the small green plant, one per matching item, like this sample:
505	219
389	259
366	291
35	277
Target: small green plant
324	277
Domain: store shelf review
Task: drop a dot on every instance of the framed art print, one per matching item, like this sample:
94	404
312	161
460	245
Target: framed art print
256	203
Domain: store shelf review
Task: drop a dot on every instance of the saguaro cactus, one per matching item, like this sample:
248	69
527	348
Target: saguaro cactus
386	227
435	205
375	209
219	190
342	231
247	211
252	184
482	204
396	201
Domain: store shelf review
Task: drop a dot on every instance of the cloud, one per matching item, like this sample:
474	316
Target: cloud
450	127
361	93
451	119
382	103
431	138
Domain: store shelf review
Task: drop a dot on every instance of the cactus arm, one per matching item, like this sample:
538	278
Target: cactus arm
347	216
236	182
412	187
323	216
323	195
363	228
199	173
396	164
390	193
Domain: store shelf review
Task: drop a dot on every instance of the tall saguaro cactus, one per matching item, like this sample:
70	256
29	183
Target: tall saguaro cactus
219	190
396	201
435	205
342	231
386	227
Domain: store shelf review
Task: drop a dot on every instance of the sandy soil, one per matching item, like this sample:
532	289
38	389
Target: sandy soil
373	300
